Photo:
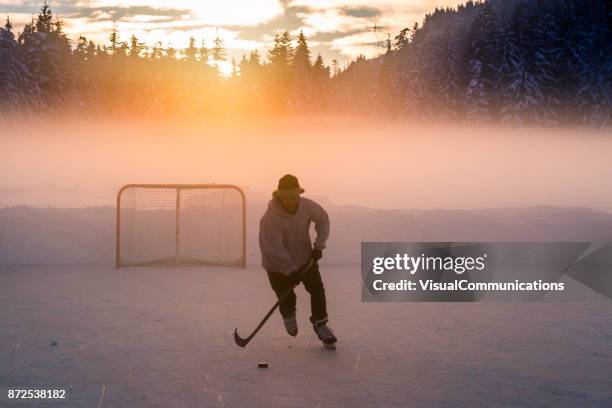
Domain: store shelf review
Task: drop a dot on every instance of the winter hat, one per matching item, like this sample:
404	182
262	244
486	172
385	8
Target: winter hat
289	182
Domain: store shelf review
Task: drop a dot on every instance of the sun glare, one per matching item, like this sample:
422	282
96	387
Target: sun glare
237	12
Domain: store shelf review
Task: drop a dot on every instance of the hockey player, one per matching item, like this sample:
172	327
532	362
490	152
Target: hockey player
284	241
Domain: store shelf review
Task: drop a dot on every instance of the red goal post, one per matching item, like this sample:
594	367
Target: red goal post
180	224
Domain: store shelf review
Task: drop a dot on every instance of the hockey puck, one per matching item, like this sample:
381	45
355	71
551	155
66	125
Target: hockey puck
262	365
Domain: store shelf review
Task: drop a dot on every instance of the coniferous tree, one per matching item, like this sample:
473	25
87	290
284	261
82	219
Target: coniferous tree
321	83
387	84
90	51
411	84
18	92
281	53
279	65
136	47
483	56
157	51
301	55
203	53
170	53
244	62
218	52
547	48
521	91
320	70
402	39
123	49
524	61
251	87
302	79
85	72
44	22
588	55
335	68
254	60
115	44
81	49
250	68
27	33
191	51
46	52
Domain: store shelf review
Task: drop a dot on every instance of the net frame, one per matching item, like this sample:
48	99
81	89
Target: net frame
178	188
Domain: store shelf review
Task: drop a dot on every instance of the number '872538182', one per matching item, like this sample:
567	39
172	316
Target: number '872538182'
36	394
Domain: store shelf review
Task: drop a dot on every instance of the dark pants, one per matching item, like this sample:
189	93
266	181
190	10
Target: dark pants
313	284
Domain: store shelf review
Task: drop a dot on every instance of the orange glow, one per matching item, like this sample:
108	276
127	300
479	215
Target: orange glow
347	160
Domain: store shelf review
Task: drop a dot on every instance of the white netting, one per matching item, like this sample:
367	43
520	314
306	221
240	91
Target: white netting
181	225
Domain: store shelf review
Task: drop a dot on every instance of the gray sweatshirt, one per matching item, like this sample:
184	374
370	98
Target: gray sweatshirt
284	239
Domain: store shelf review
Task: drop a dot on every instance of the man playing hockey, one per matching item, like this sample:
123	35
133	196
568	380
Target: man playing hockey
286	249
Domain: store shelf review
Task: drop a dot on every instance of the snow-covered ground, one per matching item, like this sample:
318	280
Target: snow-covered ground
162	337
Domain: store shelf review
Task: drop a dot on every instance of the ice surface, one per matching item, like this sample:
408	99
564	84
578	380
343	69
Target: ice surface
162	337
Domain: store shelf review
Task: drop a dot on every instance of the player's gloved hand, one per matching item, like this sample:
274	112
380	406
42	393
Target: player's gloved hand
316	254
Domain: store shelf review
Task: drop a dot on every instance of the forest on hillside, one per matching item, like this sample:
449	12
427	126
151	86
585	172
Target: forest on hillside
541	62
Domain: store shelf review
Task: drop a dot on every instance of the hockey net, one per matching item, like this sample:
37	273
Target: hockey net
174	224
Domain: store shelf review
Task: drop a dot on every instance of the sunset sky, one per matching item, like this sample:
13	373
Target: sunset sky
336	28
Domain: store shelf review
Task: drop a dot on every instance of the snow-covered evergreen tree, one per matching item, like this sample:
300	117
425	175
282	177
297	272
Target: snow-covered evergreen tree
524	61
521	89
280	55
18	90
136	47
218	52
46	52
321	83
589	51
191	52
439	54
302	96
203	52
279	71
483	56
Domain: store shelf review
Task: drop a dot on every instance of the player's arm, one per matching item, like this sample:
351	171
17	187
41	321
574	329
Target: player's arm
321	221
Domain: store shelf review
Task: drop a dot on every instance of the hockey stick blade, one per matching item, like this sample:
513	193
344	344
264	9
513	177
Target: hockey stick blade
239	340
243	342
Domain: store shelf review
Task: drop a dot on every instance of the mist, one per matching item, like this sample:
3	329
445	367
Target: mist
380	164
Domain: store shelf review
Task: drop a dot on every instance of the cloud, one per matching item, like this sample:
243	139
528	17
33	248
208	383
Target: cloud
349	28
360	11
291	20
206	12
333	20
124	13
353	45
340	29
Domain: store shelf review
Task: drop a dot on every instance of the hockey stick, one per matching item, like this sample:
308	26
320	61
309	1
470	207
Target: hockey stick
243	342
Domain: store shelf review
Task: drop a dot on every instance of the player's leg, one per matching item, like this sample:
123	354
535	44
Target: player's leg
314	285
318	304
280	283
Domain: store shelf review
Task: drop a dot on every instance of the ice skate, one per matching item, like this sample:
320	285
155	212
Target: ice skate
325	334
291	325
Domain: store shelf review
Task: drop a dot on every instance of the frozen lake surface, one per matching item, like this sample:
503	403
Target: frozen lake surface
162	337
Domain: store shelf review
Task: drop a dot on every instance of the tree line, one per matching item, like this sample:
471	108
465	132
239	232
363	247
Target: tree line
515	61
